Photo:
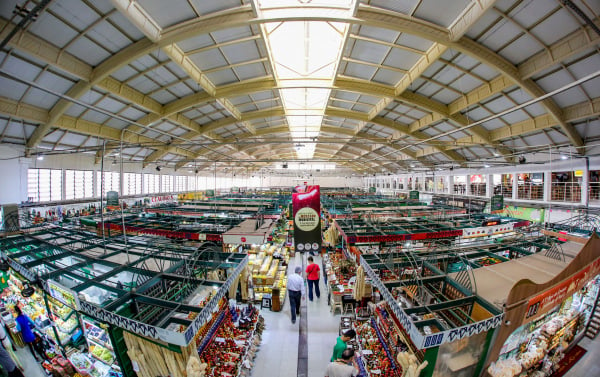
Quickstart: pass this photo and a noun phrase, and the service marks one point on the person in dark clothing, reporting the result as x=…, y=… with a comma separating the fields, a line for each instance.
x=8, y=364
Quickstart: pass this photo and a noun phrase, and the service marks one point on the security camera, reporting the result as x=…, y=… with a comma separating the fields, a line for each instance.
x=158, y=168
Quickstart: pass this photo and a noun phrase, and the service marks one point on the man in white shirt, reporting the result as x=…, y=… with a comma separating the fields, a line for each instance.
x=295, y=286
x=342, y=367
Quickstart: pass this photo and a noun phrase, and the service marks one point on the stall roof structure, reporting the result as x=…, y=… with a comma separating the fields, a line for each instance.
x=496, y=281
x=180, y=227
x=436, y=305
x=400, y=229
x=146, y=286
x=250, y=84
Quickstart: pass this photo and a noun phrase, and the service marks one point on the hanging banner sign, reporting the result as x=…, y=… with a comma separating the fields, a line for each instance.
x=306, y=206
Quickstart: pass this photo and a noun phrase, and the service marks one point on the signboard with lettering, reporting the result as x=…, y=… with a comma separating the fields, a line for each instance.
x=237, y=239
x=112, y=199
x=548, y=299
x=413, y=195
x=497, y=203
x=306, y=207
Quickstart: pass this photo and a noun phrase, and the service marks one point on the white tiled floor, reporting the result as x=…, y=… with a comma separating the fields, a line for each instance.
x=32, y=367
x=279, y=349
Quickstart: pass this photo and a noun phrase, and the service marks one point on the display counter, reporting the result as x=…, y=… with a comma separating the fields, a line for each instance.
x=268, y=264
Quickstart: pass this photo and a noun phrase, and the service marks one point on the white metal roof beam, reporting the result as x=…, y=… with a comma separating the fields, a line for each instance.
x=245, y=15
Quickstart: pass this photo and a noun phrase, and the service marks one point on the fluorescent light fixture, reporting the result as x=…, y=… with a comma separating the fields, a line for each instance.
x=486, y=166
x=40, y=157
x=563, y=157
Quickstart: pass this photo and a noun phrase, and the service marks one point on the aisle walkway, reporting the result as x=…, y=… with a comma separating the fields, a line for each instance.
x=278, y=355
x=589, y=365
x=32, y=367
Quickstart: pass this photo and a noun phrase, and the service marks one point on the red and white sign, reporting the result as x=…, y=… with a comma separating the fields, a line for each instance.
x=237, y=239
x=160, y=199
x=547, y=300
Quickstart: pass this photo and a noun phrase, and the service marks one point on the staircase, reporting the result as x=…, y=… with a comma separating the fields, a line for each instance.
x=593, y=327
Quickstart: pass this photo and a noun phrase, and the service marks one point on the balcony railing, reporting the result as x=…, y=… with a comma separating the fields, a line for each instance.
x=530, y=191
x=594, y=190
x=478, y=189
x=566, y=192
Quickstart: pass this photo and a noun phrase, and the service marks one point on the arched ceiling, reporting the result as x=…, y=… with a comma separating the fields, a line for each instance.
x=416, y=84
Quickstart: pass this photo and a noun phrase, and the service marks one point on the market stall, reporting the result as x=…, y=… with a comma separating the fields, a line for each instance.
x=436, y=318
x=118, y=291
x=548, y=302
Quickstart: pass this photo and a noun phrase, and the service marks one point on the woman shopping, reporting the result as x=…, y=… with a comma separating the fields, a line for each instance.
x=23, y=325
x=312, y=275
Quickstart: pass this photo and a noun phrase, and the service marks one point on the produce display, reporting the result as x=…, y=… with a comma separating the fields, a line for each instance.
x=66, y=321
x=373, y=352
x=102, y=354
x=528, y=353
x=228, y=347
x=100, y=349
x=81, y=362
x=487, y=261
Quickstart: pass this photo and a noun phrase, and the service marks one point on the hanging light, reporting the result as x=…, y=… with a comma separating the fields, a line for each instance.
x=27, y=290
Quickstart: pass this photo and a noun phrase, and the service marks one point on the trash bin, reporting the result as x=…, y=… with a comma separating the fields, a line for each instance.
x=275, y=302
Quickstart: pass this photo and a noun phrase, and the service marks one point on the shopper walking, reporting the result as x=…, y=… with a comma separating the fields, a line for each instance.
x=295, y=287
x=8, y=364
x=342, y=344
x=342, y=367
x=312, y=275
x=23, y=322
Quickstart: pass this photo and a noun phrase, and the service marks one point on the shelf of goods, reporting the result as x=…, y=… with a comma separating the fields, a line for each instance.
x=525, y=352
x=32, y=306
x=100, y=347
x=378, y=341
x=268, y=264
x=228, y=344
x=65, y=319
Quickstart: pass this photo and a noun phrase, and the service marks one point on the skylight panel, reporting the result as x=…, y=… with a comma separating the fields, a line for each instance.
x=305, y=56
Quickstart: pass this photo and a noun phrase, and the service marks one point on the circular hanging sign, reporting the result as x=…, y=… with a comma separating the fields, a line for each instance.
x=306, y=219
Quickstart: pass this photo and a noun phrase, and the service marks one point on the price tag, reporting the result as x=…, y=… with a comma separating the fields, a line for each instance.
x=375, y=371
x=367, y=352
x=220, y=340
